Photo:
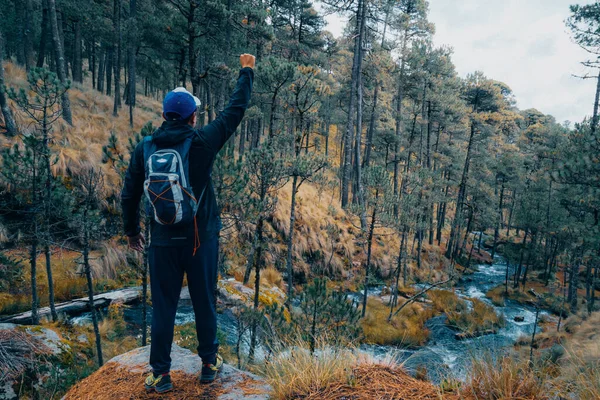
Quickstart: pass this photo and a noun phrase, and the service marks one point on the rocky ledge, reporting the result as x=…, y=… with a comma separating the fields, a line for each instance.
x=123, y=378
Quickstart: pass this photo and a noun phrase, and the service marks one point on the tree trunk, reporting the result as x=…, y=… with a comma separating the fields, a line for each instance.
x=290, y=240
x=506, y=277
x=428, y=142
x=371, y=131
x=573, y=284
x=60, y=61
x=327, y=138
x=520, y=266
x=499, y=222
x=398, y=116
x=28, y=35
x=101, y=69
x=564, y=299
x=431, y=234
x=47, y=203
x=131, y=57
x=43, y=36
x=454, y=233
x=394, y=299
x=594, y=123
x=9, y=121
x=90, y=285
x=368, y=266
x=92, y=62
x=537, y=314
x=110, y=59
x=77, y=56
x=530, y=255
x=512, y=208
x=20, y=17
x=35, y=319
x=257, y=265
x=463, y=246
x=192, y=55
x=359, y=115
x=117, y=63
x=347, y=167
x=442, y=214
x=258, y=238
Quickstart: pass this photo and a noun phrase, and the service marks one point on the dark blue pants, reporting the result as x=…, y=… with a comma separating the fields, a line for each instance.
x=167, y=266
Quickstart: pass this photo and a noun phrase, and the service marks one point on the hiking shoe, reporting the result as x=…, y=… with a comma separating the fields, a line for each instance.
x=209, y=371
x=158, y=384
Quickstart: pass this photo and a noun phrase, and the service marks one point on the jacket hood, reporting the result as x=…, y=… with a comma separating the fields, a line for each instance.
x=172, y=132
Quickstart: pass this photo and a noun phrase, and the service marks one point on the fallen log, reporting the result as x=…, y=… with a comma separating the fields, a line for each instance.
x=80, y=305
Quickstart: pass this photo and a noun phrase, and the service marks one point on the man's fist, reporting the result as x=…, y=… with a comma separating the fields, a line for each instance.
x=247, y=60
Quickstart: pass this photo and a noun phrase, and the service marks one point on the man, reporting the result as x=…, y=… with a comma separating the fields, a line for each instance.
x=190, y=248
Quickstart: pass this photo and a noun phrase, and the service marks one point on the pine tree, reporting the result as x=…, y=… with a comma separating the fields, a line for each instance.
x=88, y=193
x=44, y=109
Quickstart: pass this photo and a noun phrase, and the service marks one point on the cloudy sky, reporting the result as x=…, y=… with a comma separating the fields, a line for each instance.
x=523, y=43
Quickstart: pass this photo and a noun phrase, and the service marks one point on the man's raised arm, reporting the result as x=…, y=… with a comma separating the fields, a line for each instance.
x=223, y=127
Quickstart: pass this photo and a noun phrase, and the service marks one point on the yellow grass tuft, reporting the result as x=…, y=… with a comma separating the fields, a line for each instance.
x=296, y=373
x=406, y=329
x=272, y=277
x=505, y=378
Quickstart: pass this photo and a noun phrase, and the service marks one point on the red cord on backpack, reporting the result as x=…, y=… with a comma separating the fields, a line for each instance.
x=196, y=236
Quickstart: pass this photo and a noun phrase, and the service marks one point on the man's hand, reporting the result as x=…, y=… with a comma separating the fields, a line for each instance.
x=247, y=60
x=136, y=242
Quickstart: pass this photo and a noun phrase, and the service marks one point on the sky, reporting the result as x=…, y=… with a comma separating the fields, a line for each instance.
x=523, y=43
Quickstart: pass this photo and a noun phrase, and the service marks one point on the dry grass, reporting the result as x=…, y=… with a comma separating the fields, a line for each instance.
x=82, y=143
x=482, y=318
x=505, y=378
x=342, y=374
x=585, y=343
x=67, y=273
x=372, y=381
x=406, y=329
x=580, y=379
x=296, y=373
x=497, y=295
x=311, y=240
x=107, y=261
x=113, y=382
x=272, y=277
x=580, y=368
x=445, y=301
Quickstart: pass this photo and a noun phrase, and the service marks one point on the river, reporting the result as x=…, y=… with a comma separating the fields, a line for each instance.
x=442, y=356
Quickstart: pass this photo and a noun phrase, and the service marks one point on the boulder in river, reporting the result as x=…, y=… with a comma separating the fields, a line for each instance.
x=519, y=318
x=123, y=378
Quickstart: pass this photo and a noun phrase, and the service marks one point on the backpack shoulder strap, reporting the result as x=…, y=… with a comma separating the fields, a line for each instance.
x=146, y=145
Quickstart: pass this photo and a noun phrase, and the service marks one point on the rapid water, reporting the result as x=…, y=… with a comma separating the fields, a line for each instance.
x=443, y=355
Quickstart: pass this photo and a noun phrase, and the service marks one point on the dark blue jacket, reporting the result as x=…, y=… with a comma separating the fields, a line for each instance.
x=207, y=142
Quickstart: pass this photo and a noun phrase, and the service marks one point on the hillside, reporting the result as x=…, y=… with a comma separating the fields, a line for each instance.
x=325, y=240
